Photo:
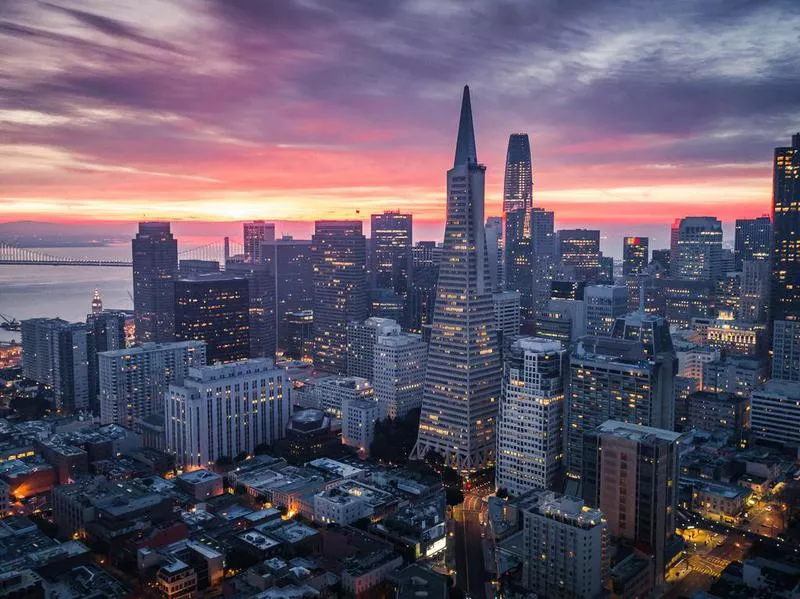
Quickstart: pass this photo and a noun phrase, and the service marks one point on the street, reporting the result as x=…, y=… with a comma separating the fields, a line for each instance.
x=470, y=573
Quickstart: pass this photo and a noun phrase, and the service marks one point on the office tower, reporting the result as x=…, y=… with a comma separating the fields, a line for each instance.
x=697, y=255
x=518, y=182
x=226, y=410
x=614, y=379
x=340, y=289
x=155, y=262
x=543, y=258
x=196, y=267
x=605, y=270
x=754, y=291
x=506, y=313
x=567, y=290
x=329, y=393
x=255, y=234
x=391, y=261
x=562, y=320
x=650, y=330
x=775, y=413
x=718, y=412
x=290, y=262
x=530, y=423
x=785, y=290
x=71, y=376
x=631, y=475
x=517, y=204
x=579, y=254
x=786, y=350
x=564, y=545
x=462, y=382
x=753, y=240
x=519, y=258
x=727, y=261
x=635, y=255
x=300, y=326
x=734, y=374
x=361, y=339
x=737, y=338
x=685, y=300
x=399, y=373
x=55, y=354
x=262, y=305
x=692, y=356
x=105, y=331
x=214, y=308
x=494, y=249
x=604, y=303
x=133, y=381
x=385, y=303
x=423, y=288
x=358, y=424
x=663, y=257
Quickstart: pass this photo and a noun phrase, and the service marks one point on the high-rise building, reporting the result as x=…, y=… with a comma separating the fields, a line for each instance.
x=215, y=308
x=785, y=291
x=155, y=263
x=564, y=544
x=506, y=313
x=340, y=289
x=255, y=234
x=300, y=325
x=753, y=240
x=754, y=291
x=225, y=410
x=604, y=303
x=631, y=475
x=290, y=262
x=635, y=255
x=517, y=204
x=579, y=254
x=518, y=182
x=697, y=255
x=616, y=379
x=543, y=258
x=663, y=257
x=786, y=350
x=685, y=300
x=735, y=375
x=133, y=381
x=55, y=353
x=399, y=373
x=97, y=302
x=105, y=332
x=329, y=393
x=494, y=249
x=530, y=421
x=361, y=340
x=562, y=320
x=775, y=413
x=390, y=241
x=262, y=311
x=462, y=382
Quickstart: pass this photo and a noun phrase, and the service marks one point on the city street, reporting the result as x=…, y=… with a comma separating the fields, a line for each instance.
x=471, y=575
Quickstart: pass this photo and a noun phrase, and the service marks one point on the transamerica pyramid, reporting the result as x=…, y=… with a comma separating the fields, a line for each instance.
x=462, y=382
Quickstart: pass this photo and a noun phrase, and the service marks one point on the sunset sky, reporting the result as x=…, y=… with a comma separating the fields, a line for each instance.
x=638, y=112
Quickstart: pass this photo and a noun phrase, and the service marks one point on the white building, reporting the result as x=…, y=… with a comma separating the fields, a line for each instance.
x=399, y=373
x=328, y=393
x=358, y=423
x=133, y=381
x=507, y=312
x=604, y=303
x=775, y=412
x=361, y=340
x=226, y=409
x=338, y=506
x=530, y=444
x=564, y=545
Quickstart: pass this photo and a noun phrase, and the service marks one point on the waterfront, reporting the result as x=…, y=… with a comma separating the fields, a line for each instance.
x=64, y=291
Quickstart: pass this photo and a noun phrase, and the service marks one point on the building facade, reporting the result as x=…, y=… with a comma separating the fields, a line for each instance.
x=399, y=373
x=635, y=255
x=361, y=339
x=462, y=383
x=604, y=304
x=155, y=263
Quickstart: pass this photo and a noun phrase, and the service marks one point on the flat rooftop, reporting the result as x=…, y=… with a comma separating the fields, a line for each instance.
x=637, y=432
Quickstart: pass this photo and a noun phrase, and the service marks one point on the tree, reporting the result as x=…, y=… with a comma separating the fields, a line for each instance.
x=394, y=439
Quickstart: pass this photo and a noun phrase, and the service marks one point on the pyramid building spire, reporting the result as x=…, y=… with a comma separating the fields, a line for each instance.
x=465, y=143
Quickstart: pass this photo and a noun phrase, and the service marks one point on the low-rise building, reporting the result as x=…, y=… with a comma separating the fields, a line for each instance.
x=201, y=484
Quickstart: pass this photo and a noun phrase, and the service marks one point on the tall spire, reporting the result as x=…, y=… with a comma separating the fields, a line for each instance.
x=465, y=145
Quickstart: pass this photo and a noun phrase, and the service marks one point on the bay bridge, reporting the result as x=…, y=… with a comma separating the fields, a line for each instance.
x=11, y=254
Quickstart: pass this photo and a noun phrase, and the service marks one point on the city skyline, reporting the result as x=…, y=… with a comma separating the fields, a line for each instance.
x=134, y=131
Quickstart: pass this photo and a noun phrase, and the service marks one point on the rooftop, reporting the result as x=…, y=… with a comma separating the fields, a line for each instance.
x=335, y=467
x=199, y=476
x=637, y=432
